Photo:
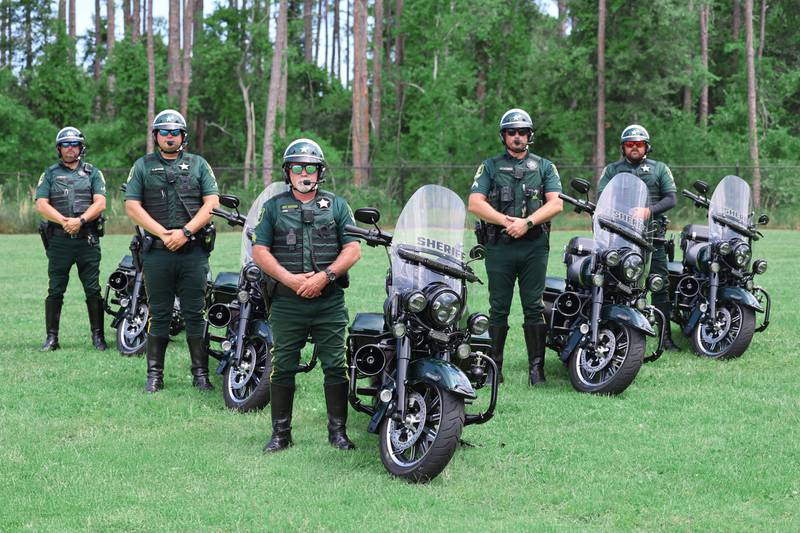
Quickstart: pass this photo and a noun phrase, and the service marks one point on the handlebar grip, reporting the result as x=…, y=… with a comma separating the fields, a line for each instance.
x=356, y=231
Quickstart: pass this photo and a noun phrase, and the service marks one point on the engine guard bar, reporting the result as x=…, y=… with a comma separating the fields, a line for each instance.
x=767, y=309
x=660, y=348
x=487, y=415
x=355, y=401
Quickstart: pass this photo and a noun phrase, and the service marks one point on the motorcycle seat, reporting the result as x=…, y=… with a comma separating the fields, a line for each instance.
x=695, y=232
x=675, y=268
x=580, y=246
x=228, y=281
x=553, y=284
x=367, y=324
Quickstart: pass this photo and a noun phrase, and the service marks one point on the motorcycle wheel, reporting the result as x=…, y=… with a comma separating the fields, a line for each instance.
x=730, y=338
x=245, y=387
x=132, y=334
x=614, y=367
x=421, y=447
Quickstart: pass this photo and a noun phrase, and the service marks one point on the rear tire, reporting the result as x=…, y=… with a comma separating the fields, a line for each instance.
x=420, y=449
x=616, y=369
x=245, y=387
x=736, y=326
x=132, y=335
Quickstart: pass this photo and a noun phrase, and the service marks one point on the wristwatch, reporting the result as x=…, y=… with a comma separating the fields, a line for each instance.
x=530, y=224
x=331, y=275
x=82, y=221
x=186, y=232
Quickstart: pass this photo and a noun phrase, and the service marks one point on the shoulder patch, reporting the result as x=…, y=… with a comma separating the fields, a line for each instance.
x=41, y=179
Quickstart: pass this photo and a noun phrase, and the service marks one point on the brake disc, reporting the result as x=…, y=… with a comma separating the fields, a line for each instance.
x=404, y=434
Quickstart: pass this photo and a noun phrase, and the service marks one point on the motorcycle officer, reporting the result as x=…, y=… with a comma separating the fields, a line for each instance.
x=300, y=243
x=516, y=195
x=171, y=193
x=635, y=146
x=71, y=195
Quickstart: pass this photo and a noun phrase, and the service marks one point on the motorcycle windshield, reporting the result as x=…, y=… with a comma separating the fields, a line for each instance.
x=617, y=221
x=254, y=216
x=431, y=225
x=730, y=213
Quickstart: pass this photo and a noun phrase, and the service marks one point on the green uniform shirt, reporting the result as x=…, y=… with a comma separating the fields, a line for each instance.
x=273, y=210
x=150, y=173
x=61, y=180
x=531, y=171
x=655, y=175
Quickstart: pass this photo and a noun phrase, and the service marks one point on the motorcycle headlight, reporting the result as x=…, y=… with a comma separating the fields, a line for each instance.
x=414, y=301
x=760, y=266
x=724, y=248
x=252, y=273
x=444, y=307
x=741, y=254
x=611, y=258
x=655, y=283
x=633, y=267
x=478, y=323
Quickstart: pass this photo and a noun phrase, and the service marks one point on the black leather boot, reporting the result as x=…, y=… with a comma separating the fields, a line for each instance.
x=94, y=306
x=535, y=336
x=498, y=335
x=198, y=351
x=666, y=310
x=52, y=318
x=281, y=401
x=336, y=400
x=156, y=348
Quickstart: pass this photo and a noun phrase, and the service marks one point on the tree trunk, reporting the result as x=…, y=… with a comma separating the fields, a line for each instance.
x=173, y=52
x=347, y=34
x=737, y=21
x=762, y=29
x=136, y=20
x=377, y=74
x=127, y=18
x=274, y=89
x=399, y=53
x=360, y=96
x=29, y=36
x=705, y=11
x=282, y=94
x=751, y=101
x=336, y=53
x=308, y=27
x=71, y=27
x=197, y=33
x=186, y=77
x=151, y=77
x=600, y=146
x=327, y=31
x=562, y=18
x=110, y=28
x=317, y=34
x=62, y=12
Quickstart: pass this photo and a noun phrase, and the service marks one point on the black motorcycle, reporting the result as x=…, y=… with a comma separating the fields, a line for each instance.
x=420, y=361
x=598, y=316
x=129, y=297
x=714, y=295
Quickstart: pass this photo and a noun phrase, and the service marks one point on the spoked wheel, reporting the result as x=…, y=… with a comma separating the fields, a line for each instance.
x=613, y=365
x=246, y=384
x=728, y=336
x=176, y=325
x=132, y=333
x=419, y=447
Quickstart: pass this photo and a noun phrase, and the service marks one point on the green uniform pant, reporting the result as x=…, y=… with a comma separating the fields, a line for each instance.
x=62, y=253
x=167, y=274
x=658, y=265
x=520, y=260
x=293, y=319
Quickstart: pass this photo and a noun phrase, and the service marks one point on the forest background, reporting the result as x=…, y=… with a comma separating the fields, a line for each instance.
x=400, y=93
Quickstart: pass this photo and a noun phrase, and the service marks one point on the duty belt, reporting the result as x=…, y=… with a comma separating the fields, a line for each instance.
x=58, y=230
x=158, y=244
x=284, y=291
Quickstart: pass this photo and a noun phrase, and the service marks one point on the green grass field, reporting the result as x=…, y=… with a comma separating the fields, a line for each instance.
x=693, y=444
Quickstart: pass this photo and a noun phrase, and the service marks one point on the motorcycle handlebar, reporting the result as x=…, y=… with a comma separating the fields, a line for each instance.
x=234, y=219
x=580, y=205
x=373, y=237
x=698, y=200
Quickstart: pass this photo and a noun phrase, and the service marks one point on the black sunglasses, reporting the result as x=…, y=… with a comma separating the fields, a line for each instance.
x=70, y=143
x=169, y=133
x=310, y=169
x=514, y=131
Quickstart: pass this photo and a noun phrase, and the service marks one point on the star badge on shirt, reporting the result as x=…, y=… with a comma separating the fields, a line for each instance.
x=323, y=203
x=645, y=168
x=184, y=166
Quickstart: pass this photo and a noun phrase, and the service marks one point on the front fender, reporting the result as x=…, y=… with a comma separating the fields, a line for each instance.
x=740, y=296
x=442, y=373
x=629, y=316
x=261, y=329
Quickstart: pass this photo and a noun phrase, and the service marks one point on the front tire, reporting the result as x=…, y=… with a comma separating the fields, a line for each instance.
x=245, y=386
x=613, y=367
x=729, y=336
x=419, y=448
x=132, y=334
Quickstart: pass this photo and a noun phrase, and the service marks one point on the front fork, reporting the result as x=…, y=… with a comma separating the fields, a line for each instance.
x=713, y=286
x=130, y=312
x=403, y=359
x=597, y=305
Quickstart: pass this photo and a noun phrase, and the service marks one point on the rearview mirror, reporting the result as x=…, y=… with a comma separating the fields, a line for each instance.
x=701, y=187
x=580, y=185
x=368, y=215
x=230, y=201
x=763, y=219
x=477, y=252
